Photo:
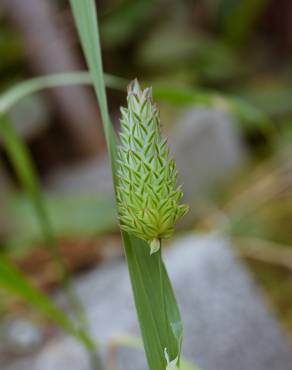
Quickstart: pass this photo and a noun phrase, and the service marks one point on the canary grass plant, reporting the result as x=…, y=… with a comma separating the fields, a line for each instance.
x=155, y=302
x=148, y=199
x=156, y=306
x=147, y=173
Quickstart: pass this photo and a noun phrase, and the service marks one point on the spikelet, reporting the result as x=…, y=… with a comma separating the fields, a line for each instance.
x=147, y=196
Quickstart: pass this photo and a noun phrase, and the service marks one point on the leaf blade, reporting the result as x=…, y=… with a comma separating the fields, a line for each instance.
x=14, y=282
x=148, y=299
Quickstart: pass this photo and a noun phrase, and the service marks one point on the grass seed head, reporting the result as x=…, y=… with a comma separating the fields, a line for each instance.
x=147, y=194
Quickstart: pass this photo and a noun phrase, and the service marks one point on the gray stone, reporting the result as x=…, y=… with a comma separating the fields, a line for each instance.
x=30, y=116
x=207, y=149
x=91, y=175
x=20, y=337
x=226, y=324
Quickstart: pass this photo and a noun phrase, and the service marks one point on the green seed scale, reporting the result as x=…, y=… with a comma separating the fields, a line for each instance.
x=147, y=195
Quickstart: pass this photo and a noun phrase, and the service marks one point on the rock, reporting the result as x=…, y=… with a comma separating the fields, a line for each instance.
x=91, y=175
x=226, y=324
x=207, y=149
x=30, y=116
x=20, y=337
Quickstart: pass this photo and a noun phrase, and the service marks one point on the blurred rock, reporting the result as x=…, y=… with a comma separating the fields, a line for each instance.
x=19, y=337
x=226, y=324
x=207, y=149
x=30, y=116
x=92, y=175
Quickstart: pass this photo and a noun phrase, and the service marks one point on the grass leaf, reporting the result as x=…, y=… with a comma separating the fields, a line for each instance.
x=151, y=286
x=21, y=89
x=249, y=114
x=10, y=278
x=72, y=215
x=13, y=281
x=156, y=305
x=86, y=21
x=20, y=159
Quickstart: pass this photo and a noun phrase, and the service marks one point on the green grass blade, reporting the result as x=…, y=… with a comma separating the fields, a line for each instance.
x=157, y=333
x=72, y=216
x=20, y=159
x=20, y=90
x=249, y=115
x=149, y=280
x=86, y=21
x=13, y=281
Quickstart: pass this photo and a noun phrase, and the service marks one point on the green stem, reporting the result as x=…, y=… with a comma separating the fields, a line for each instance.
x=68, y=287
x=90, y=345
x=162, y=293
x=24, y=168
x=63, y=273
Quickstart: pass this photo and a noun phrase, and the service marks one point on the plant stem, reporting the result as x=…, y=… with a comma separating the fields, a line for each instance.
x=68, y=287
x=90, y=346
x=21, y=160
x=162, y=292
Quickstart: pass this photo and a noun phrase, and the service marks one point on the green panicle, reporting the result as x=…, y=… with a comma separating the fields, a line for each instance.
x=147, y=195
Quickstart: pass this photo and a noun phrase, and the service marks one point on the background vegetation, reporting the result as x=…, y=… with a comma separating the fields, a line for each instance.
x=235, y=55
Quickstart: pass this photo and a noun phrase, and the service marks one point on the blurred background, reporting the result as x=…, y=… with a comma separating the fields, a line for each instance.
x=222, y=77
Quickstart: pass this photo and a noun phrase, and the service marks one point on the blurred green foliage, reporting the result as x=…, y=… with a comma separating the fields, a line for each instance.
x=238, y=19
x=120, y=23
x=71, y=215
x=12, y=61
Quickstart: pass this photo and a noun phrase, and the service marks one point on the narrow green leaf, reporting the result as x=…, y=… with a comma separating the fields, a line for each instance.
x=20, y=159
x=147, y=273
x=13, y=281
x=86, y=21
x=20, y=90
x=19, y=156
x=71, y=215
x=150, y=282
x=248, y=113
x=9, y=277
